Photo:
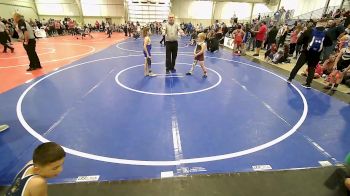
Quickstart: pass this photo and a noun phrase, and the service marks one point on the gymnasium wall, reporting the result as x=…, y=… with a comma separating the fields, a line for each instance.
x=200, y=11
x=225, y=10
x=336, y=2
x=184, y=10
x=57, y=7
x=106, y=8
x=101, y=9
x=26, y=7
x=92, y=10
x=302, y=6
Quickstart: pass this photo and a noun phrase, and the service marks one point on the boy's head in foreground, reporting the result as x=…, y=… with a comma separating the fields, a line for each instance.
x=48, y=159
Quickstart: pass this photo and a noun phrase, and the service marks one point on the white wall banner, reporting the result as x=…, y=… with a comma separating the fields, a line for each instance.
x=228, y=42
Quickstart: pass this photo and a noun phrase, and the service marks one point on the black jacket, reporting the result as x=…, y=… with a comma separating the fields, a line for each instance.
x=271, y=36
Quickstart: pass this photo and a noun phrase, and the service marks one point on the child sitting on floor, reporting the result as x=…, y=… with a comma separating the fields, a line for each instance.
x=329, y=64
x=335, y=78
x=318, y=72
x=282, y=55
x=341, y=67
x=271, y=52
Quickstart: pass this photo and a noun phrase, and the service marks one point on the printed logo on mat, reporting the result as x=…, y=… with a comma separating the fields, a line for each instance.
x=167, y=174
x=325, y=163
x=187, y=170
x=261, y=167
x=87, y=178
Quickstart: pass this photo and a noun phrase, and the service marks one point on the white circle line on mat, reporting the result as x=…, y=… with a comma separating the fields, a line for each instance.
x=162, y=163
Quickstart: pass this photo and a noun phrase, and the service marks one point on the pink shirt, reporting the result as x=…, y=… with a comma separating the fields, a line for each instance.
x=294, y=37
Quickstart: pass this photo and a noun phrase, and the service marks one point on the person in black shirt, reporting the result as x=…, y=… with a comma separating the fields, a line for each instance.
x=29, y=43
x=308, y=55
x=125, y=29
x=347, y=21
x=4, y=37
x=271, y=37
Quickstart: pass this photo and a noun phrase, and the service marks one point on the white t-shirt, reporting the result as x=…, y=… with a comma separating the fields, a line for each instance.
x=2, y=27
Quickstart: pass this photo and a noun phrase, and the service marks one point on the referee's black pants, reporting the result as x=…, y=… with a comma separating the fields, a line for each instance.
x=171, y=54
x=163, y=40
x=312, y=59
x=33, y=57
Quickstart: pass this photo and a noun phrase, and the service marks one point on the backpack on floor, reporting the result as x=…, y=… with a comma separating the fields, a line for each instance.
x=316, y=44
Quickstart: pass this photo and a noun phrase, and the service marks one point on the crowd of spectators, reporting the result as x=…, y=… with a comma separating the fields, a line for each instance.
x=282, y=40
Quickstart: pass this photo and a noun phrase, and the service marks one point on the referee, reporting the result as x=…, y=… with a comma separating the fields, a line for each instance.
x=29, y=43
x=3, y=37
x=171, y=33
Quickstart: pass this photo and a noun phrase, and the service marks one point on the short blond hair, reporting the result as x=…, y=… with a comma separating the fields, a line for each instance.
x=202, y=36
x=17, y=15
x=145, y=31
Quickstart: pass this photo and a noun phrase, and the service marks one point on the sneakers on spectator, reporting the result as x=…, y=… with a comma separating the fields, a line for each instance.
x=3, y=127
x=307, y=86
x=188, y=73
x=151, y=74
